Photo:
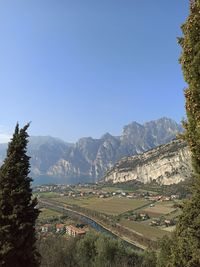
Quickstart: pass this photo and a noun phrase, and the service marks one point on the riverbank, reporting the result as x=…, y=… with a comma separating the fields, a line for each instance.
x=93, y=222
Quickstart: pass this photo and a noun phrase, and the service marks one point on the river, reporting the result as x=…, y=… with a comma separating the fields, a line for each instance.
x=85, y=219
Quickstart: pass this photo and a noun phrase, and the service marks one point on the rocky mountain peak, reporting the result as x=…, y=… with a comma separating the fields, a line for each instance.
x=132, y=128
x=89, y=158
x=107, y=136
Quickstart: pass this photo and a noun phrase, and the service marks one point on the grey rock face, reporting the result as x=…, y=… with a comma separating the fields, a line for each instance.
x=87, y=160
x=166, y=164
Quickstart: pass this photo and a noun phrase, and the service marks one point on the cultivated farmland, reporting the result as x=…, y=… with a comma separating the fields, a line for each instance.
x=144, y=230
x=160, y=208
x=111, y=206
x=48, y=213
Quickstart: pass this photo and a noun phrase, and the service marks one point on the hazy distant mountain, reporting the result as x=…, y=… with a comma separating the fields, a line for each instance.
x=53, y=160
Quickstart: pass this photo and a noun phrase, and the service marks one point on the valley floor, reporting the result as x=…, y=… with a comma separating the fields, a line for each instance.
x=141, y=216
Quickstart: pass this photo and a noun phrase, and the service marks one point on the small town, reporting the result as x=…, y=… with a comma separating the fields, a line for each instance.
x=143, y=208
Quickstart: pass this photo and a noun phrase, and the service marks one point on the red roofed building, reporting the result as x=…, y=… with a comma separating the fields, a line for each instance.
x=74, y=231
x=60, y=227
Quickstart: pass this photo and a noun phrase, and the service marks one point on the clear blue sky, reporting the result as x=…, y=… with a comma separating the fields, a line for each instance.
x=85, y=67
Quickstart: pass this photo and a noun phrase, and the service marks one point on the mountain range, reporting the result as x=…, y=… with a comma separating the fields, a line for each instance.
x=87, y=160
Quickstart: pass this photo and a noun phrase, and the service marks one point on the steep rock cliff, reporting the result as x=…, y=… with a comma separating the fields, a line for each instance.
x=166, y=164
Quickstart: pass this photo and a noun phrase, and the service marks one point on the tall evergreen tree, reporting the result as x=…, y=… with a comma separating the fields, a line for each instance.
x=185, y=250
x=18, y=211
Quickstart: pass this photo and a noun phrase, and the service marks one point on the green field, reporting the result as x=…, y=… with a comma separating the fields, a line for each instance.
x=174, y=214
x=111, y=206
x=144, y=230
x=48, y=194
x=160, y=208
x=116, y=206
x=170, y=228
x=47, y=213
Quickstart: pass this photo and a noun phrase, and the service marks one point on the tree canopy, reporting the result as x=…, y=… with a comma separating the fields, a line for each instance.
x=18, y=211
x=184, y=249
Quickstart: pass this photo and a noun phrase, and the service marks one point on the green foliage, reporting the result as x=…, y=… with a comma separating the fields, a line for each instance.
x=57, y=252
x=149, y=259
x=165, y=245
x=18, y=211
x=185, y=245
x=86, y=250
x=190, y=60
x=92, y=250
x=109, y=253
x=184, y=248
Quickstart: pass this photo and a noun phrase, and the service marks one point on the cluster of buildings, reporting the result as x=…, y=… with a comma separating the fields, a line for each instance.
x=51, y=188
x=139, y=217
x=62, y=229
x=78, y=191
x=74, y=231
x=163, y=198
x=163, y=222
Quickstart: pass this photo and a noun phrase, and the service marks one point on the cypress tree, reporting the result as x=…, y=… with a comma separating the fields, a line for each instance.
x=185, y=251
x=18, y=211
